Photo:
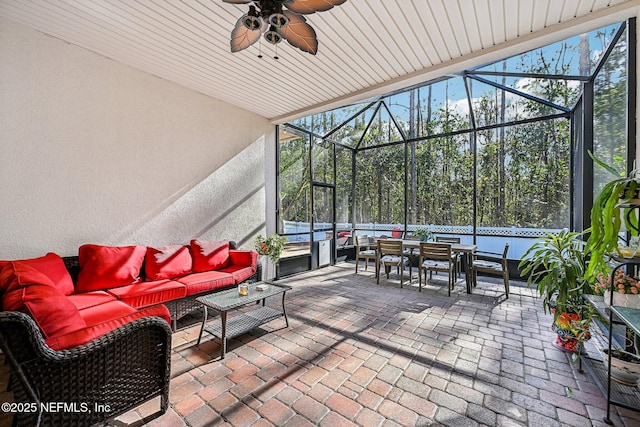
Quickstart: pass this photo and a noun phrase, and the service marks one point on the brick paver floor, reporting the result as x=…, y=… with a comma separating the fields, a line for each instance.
x=361, y=354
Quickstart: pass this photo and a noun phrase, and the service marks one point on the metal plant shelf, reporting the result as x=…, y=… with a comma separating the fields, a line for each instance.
x=595, y=364
x=619, y=394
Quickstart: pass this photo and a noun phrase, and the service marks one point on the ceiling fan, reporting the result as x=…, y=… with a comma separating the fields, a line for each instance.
x=269, y=17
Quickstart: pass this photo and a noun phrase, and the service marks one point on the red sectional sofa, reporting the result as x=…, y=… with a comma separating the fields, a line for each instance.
x=77, y=299
x=60, y=313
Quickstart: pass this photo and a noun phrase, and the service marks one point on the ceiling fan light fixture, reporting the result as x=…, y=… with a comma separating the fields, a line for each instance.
x=272, y=36
x=278, y=20
x=252, y=19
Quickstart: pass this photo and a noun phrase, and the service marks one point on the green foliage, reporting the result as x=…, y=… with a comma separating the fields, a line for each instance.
x=556, y=266
x=610, y=114
x=295, y=180
x=606, y=219
x=523, y=171
x=271, y=246
x=424, y=234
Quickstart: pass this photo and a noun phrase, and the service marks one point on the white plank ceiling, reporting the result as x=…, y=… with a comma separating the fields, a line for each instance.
x=365, y=46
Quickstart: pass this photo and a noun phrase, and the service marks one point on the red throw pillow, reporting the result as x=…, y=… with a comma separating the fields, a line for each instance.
x=207, y=256
x=167, y=262
x=104, y=267
x=32, y=292
x=51, y=265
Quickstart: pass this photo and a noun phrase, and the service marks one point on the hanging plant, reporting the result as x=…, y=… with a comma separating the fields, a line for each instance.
x=616, y=198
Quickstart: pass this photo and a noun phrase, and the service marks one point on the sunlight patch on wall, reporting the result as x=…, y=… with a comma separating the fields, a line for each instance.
x=226, y=205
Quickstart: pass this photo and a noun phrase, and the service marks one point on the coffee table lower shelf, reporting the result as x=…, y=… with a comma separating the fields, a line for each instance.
x=242, y=323
x=246, y=320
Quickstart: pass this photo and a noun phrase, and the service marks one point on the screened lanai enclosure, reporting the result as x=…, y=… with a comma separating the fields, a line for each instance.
x=493, y=155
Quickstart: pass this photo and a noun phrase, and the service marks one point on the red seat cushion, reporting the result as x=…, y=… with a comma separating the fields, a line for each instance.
x=149, y=293
x=102, y=319
x=52, y=266
x=208, y=281
x=90, y=299
x=33, y=292
x=167, y=262
x=105, y=267
x=207, y=256
x=97, y=314
x=239, y=273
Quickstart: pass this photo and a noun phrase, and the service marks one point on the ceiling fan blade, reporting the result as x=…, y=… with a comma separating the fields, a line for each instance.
x=299, y=34
x=237, y=1
x=306, y=7
x=242, y=37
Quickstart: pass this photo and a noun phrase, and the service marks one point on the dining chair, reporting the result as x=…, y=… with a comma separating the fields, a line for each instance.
x=437, y=257
x=492, y=263
x=390, y=255
x=457, y=255
x=411, y=252
x=365, y=250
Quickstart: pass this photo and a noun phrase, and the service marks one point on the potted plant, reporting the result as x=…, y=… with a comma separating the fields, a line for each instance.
x=625, y=366
x=269, y=248
x=611, y=208
x=424, y=235
x=556, y=266
x=626, y=289
x=625, y=359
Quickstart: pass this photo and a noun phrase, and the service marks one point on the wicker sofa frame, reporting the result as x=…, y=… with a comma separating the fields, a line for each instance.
x=97, y=381
x=107, y=376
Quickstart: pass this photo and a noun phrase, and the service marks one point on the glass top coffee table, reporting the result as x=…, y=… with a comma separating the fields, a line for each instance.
x=225, y=301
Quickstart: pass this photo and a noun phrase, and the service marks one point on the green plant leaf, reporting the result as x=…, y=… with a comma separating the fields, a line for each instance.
x=603, y=165
x=556, y=266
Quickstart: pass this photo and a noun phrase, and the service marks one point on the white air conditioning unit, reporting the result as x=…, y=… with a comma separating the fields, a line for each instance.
x=324, y=253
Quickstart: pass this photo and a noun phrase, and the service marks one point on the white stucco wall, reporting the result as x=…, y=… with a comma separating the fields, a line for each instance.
x=93, y=151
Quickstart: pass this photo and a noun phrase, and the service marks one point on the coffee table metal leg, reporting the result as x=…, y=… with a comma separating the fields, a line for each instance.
x=204, y=321
x=223, y=319
x=284, y=312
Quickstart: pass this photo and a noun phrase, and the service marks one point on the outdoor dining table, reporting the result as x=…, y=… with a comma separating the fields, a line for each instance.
x=466, y=250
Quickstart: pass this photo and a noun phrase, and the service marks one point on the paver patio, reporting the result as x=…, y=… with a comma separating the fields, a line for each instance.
x=357, y=353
